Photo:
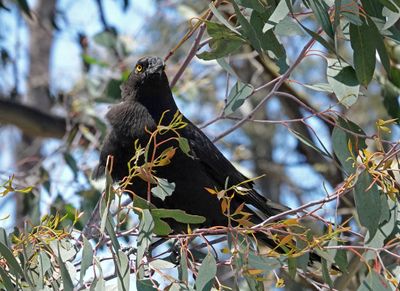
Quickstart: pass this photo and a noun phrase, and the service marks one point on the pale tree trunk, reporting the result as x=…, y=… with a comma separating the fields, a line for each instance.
x=28, y=151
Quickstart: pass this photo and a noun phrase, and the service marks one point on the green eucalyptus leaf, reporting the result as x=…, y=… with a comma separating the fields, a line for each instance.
x=238, y=94
x=343, y=80
x=163, y=188
x=266, y=264
x=368, y=203
x=123, y=271
x=146, y=227
x=207, y=272
x=280, y=12
x=87, y=258
x=320, y=10
x=363, y=43
x=178, y=215
x=374, y=281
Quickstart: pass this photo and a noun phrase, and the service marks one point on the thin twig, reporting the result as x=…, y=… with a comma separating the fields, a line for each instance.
x=278, y=84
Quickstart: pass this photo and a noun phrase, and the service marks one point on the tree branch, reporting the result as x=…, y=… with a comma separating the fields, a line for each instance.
x=31, y=121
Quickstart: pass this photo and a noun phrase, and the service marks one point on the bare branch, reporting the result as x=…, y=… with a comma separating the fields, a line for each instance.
x=31, y=121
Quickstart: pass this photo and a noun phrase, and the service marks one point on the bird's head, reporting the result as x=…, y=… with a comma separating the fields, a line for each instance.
x=146, y=79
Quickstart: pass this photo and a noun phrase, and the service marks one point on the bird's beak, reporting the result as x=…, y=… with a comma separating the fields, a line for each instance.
x=156, y=66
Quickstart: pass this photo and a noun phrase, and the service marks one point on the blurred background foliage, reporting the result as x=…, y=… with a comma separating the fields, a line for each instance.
x=62, y=63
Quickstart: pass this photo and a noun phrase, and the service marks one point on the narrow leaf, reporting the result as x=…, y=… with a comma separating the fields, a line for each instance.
x=325, y=273
x=66, y=277
x=320, y=10
x=368, y=203
x=178, y=215
x=146, y=227
x=206, y=275
x=87, y=258
x=248, y=30
x=308, y=142
x=6, y=281
x=183, y=267
x=341, y=140
x=10, y=259
x=364, y=46
x=123, y=271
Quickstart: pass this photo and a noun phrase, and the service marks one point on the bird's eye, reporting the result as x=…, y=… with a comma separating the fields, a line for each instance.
x=139, y=68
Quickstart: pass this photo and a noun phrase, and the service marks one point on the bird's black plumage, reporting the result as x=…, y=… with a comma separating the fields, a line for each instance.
x=146, y=95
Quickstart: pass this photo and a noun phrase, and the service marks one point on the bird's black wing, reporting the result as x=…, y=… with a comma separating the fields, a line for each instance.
x=219, y=168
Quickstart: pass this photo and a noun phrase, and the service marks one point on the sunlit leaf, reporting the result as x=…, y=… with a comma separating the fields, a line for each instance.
x=123, y=271
x=87, y=258
x=225, y=65
x=161, y=264
x=256, y=5
x=288, y=27
x=44, y=266
x=280, y=12
x=391, y=18
x=268, y=41
x=221, y=18
x=343, y=80
x=66, y=277
x=180, y=287
x=163, y=188
x=238, y=94
x=321, y=87
x=206, y=276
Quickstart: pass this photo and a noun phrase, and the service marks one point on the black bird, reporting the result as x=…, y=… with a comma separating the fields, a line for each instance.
x=146, y=95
